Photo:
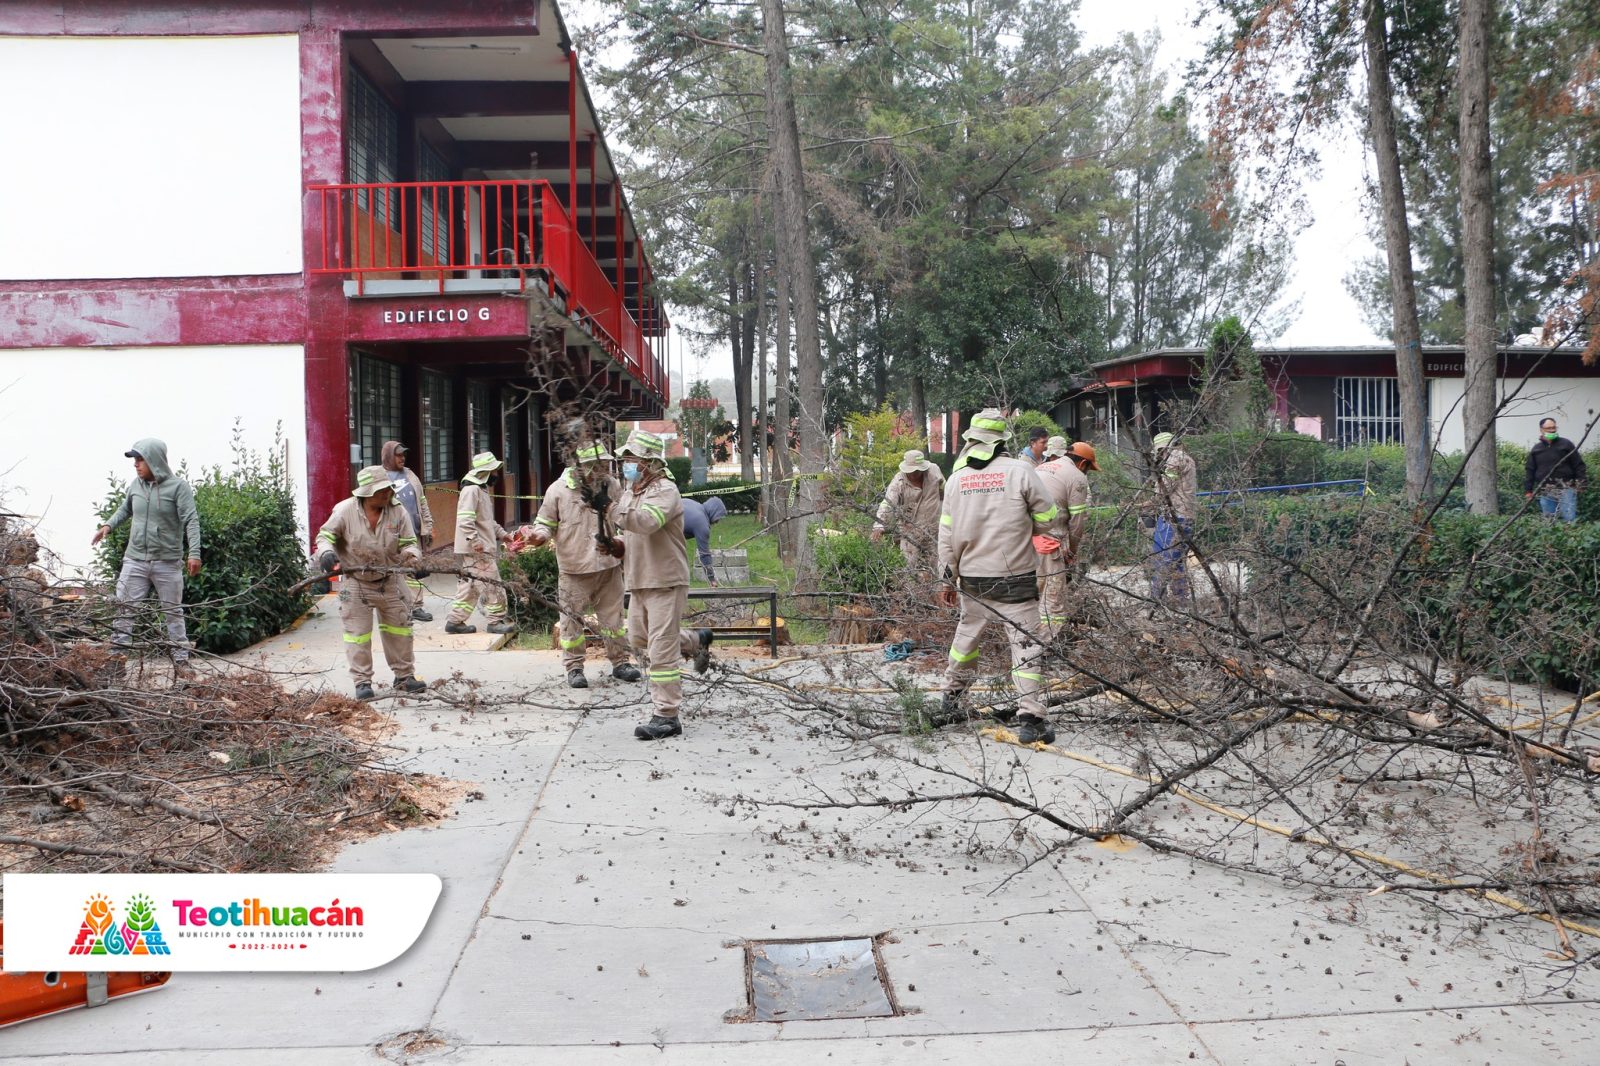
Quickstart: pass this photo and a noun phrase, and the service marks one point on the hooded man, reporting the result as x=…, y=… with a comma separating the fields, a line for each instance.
x=161, y=508
x=911, y=503
x=994, y=507
x=1064, y=473
x=698, y=518
x=572, y=514
x=1174, y=503
x=655, y=570
x=408, y=490
x=478, y=539
x=366, y=538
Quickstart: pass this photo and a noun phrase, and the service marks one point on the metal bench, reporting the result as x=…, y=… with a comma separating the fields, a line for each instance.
x=741, y=594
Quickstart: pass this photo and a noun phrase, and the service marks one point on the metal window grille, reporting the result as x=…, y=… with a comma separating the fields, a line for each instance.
x=374, y=146
x=434, y=204
x=377, y=405
x=1367, y=411
x=480, y=417
x=438, y=425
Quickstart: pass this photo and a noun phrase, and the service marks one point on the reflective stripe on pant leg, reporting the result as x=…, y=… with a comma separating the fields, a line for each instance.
x=461, y=606
x=571, y=597
x=666, y=649
x=1020, y=619
x=606, y=595
x=964, y=649
x=394, y=627
x=355, y=616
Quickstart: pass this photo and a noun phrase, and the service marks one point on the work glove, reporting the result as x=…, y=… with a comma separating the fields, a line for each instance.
x=600, y=499
x=586, y=493
x=329, y=561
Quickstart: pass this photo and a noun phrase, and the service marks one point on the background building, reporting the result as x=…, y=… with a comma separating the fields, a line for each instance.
x=343, y=221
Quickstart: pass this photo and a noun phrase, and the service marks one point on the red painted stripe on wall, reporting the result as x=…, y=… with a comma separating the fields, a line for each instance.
x=268, y=309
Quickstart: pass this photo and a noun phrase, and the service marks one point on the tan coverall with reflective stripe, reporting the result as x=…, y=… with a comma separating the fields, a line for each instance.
x=915, y=513
x=1069, y=488
x=588, y=576
x=986, y=530
x=390, y=543
x=478, y=538
x=655, y=570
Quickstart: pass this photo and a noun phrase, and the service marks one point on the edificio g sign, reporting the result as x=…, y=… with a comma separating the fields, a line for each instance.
x=435, y=314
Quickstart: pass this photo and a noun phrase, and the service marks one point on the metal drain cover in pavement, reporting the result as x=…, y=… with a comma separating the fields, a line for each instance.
x=816, y=979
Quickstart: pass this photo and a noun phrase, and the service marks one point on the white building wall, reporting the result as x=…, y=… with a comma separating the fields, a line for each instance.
x=149, y=157
x=70, y=413
x=1573, y=402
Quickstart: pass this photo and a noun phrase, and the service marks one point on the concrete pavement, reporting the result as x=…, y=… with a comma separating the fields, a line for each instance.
x=598, y=896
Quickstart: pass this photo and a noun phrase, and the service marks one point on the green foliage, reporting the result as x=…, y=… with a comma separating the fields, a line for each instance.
x=874, y=447
x=851, y=562
x=1235, y=393
x=1024, y=421
x=534, y=570
x=704, y=427
x=251, y=548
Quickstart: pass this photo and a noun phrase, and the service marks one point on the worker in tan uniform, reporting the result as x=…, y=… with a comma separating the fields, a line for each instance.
x=576, y=509
x=367, y=538
x=1173, y=502
x=478, y=539
x=994, y=505
x=655, y=570
x=1065, y=477
x=911, y=506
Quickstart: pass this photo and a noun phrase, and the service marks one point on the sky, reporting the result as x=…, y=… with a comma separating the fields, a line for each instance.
x=1333, y=241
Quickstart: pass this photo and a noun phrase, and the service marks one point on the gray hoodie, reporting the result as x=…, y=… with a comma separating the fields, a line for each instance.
x=162, y=511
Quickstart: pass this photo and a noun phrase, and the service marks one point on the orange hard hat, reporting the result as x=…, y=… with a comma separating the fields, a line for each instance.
x=1085, y=451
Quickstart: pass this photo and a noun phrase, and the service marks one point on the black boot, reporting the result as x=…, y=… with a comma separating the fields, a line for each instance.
x=411, y=684
x=421, y=614
x=950, y=710
x=459, y=627
x=575, y=678
x=625, y=672
x=702, y=657
x=658, y=728
x=1031, y=729
x=364, y=691
x=500, y=627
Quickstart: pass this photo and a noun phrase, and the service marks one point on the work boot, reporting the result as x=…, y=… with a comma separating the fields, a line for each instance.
x=411, y=684
x=500, y=627
x=575, y=679
x=364, y=691
x=1031, y=729
x=422, y=614
x=625, y=672
x=183, y=671
x=459, y=627
x=1003, y=715
x=950, y=710
x=658, y=728
x=702, y=658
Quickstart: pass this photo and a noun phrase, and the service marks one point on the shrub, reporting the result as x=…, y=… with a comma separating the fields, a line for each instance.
x=873, y=450
x=251, y=547
x=851, y=562
x=527, y=571
x=1023, y=421
x=681, y=468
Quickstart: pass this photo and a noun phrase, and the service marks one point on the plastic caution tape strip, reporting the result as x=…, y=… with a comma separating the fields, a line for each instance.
x=746, y=486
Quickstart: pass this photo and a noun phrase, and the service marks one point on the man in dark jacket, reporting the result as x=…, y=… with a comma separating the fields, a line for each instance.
x=163, y=515
x=1556, y=472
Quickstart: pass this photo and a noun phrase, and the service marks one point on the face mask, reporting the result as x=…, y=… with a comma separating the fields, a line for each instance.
x=1552, y=437
x=630, y=471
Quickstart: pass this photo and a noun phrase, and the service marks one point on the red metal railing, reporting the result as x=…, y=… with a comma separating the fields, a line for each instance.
x=480, y=229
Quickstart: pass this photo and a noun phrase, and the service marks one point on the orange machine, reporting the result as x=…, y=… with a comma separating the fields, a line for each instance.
x=33, y=995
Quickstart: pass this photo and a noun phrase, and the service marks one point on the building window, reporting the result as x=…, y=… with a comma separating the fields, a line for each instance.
x=374, y=147
x=435, y=204
x=480, y=417
x=1367, y=411
x=377, y=406
x=438, y=426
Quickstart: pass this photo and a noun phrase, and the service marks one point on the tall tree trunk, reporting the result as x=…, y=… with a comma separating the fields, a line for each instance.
x=778, y=510
x=1477, y=217
x=747, y=322
x=1397, y=241
x=919, y=408
x=763, y=422
x=794, y=254
x=738, y=311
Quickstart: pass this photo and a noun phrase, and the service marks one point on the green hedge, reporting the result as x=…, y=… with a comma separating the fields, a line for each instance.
x=251, y=548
